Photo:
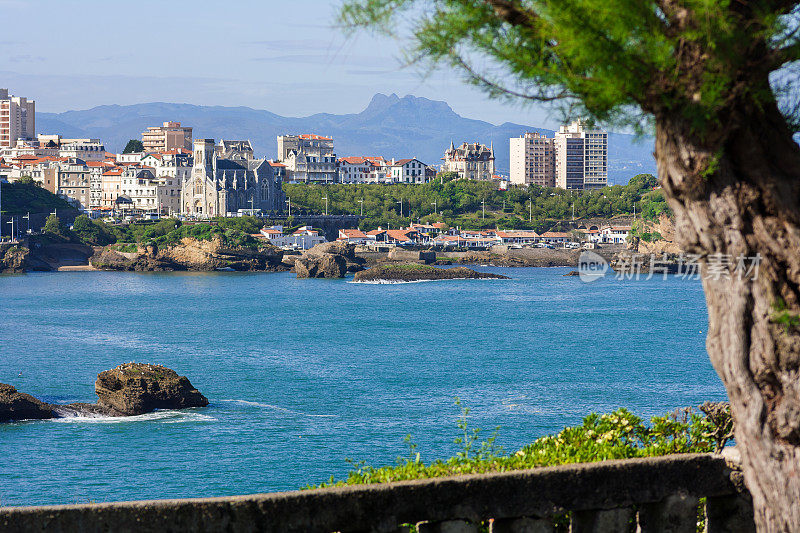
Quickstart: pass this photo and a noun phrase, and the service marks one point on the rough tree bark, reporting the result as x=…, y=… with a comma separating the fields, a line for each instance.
x=739, y=195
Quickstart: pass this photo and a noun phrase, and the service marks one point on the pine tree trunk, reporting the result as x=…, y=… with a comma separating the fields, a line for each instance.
x=739, y=197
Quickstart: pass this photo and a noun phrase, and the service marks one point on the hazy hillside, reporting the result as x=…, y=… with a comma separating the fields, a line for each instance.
x=389, y=126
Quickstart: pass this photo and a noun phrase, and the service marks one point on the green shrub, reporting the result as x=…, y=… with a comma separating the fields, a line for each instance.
x=618, y=435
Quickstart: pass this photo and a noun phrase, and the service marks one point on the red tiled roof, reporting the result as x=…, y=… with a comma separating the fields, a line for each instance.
x=352, y=233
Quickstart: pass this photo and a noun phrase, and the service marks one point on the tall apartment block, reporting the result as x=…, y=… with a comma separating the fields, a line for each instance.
x=308, y=158
x=533, y=160
x=170, y=136
x=17, y=119
x=581, y=157
x=577, y=158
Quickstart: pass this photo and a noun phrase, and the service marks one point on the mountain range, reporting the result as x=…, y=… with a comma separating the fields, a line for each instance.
x=389, y=126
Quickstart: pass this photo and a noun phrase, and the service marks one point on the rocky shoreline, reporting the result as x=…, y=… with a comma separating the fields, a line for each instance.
x=405, y=272
x=129, y=389
x=190, y=255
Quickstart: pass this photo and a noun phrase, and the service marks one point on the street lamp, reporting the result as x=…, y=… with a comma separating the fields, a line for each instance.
x=434, y=207
x=401, y=207
x=483, y=208
x=12, y=228
x=289, y=201
x=28, y=218
x=530, y=211
x=326, y=205
x=362, y=207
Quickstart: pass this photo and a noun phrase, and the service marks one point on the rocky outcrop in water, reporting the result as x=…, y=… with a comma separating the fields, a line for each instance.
x=191, y=255
x=417, y=272
x=13, y=259
x=16, y=405
x=137, y=388
x=129, y=389
x=328, y=260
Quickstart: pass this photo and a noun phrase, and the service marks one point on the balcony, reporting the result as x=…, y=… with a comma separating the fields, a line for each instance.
x=646, y=495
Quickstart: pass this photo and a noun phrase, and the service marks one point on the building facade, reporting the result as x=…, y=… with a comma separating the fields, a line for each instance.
x=308, y=158
x=581, y=157
x=472, y=161
x=17, y=119
x=407, y=171
x=169, y=136
x=70, y=179
x=577, y=158
x=533, y=160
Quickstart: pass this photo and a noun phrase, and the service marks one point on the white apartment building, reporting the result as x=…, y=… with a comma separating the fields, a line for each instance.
x=96, y=170
x=362, y=169
x=86, y=149
x=577, y=158
x=581, y=157
x=308, y=158
x=149, y=193
x=17, y=119
x=171, y=164
x=533, y=160
x=169, y=136
x=407, y=171
x=472, y=161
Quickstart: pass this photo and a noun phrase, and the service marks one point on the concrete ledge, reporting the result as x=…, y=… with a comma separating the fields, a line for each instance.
x=537, y=492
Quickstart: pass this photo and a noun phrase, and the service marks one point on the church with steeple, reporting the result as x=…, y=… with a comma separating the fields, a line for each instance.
x=472, y=161
x=226, y=178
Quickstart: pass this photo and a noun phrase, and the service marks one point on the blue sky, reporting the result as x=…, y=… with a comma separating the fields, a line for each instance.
x=286, y=57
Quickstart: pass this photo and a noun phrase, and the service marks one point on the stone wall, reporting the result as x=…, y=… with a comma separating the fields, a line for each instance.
x=652, y=491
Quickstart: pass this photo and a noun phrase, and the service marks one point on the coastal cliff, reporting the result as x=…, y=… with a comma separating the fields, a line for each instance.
x=190, y=254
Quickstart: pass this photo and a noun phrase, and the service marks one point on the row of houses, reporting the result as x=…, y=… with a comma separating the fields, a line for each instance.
x=439, y=235
x=211, y=180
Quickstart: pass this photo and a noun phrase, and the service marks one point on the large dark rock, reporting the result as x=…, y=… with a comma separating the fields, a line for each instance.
x=321, y=266
x=15, y=405
x=398, y=272
x=328, y=260
x=137, y=388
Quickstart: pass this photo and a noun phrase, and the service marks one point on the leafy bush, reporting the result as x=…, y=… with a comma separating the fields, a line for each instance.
x=92, y=232
x=618, y=435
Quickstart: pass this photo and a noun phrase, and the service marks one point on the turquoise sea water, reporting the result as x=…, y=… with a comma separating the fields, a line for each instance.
x=302, y=374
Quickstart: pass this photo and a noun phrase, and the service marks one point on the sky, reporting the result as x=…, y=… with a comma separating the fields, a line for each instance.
x=285, y=57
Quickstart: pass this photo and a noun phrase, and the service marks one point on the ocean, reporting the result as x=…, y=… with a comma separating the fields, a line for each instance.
x=303, y=375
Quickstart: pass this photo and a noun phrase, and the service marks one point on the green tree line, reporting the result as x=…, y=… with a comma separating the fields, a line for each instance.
x=473, y=204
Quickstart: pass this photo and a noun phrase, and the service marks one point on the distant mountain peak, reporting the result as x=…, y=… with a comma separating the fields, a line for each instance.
x=381, y=101
x=418, y=105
